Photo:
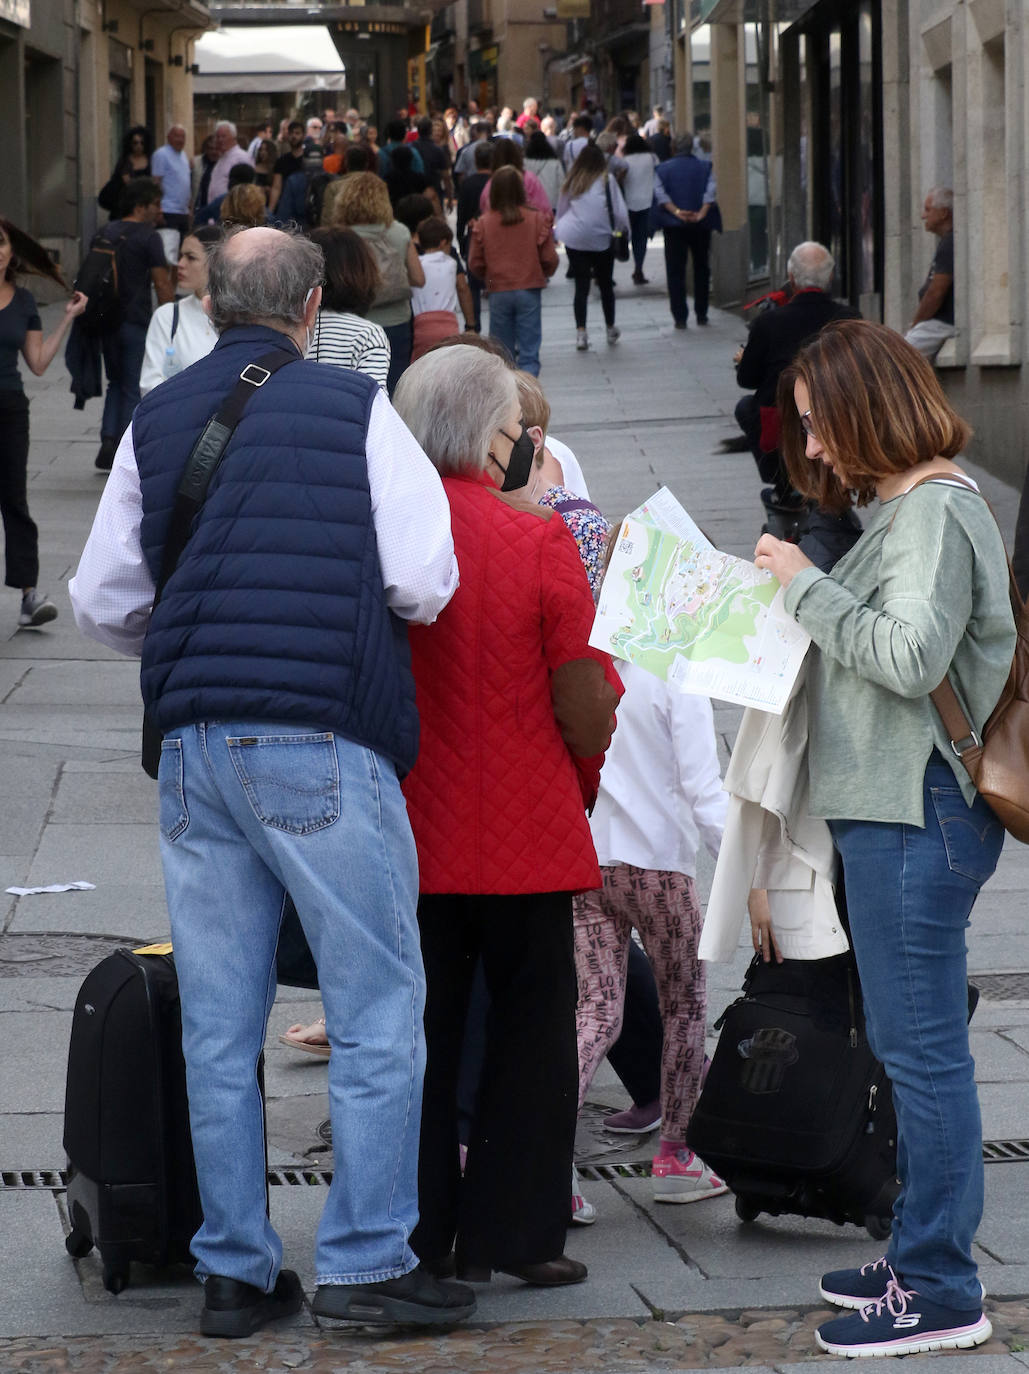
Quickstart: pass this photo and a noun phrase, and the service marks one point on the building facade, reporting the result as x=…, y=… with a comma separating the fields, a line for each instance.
x=75, y=75
x=849, y=112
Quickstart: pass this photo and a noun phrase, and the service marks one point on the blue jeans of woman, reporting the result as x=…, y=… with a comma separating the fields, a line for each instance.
x=639, y=232
x=515, y=318
x=249, y=811
x=910, y=891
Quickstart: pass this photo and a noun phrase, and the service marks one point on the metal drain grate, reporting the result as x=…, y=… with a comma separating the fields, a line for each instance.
x=299, y=1178
x=611, y=1172
x=58, y=955
x=1002, y=987
x=1005, y=1151
x=17, y=1180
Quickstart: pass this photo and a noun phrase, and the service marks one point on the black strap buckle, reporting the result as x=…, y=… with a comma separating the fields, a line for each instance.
x=254, y=374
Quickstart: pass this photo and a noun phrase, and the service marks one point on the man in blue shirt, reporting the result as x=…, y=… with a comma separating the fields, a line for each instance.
x=684, y=198
x=170, y=166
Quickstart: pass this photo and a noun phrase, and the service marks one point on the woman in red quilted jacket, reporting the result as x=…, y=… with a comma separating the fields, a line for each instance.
x=516, y=712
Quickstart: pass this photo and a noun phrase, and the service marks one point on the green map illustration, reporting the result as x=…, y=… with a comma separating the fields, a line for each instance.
x=697, y=618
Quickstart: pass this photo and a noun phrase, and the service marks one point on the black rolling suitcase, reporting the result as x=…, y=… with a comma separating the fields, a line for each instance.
x=132, y=1189
x=796, y=1113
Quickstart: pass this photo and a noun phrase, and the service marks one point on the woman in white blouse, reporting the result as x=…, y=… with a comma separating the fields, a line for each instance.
x=638, y=188
x=180, y=332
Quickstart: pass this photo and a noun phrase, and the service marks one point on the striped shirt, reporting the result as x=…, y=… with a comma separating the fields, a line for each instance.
x=346, y=340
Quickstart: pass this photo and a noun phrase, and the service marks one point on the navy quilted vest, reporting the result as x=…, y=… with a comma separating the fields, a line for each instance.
x=276, y=611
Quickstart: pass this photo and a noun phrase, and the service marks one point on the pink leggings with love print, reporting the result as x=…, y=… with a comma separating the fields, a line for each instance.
x=664, y=908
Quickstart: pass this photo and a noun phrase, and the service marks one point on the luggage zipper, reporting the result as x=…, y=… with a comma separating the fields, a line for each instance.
x=873, y=1092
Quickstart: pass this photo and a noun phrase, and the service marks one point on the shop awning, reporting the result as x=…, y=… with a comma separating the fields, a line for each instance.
x=280, y=57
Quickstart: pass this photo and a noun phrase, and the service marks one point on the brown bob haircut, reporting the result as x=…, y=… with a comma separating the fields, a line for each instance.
x=507, y=195
x=877, y=408
x=351, y=274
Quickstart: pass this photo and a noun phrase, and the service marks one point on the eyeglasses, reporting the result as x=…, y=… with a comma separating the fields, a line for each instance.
x=808, y=425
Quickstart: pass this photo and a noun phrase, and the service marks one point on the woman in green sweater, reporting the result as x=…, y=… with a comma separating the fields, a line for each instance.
x=922, y=595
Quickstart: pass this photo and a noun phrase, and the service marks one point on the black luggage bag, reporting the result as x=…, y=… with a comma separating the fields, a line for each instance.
x=796, y=1113
x=132, y=1189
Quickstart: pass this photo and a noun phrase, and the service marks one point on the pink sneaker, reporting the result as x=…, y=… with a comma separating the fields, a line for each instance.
x=683, y=1177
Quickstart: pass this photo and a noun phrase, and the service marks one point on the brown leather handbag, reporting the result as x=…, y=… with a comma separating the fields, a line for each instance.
x=998, y=761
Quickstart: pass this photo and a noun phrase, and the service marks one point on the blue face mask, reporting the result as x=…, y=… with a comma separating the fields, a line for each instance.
x=519, y=465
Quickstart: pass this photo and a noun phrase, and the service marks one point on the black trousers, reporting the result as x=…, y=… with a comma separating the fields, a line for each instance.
x=587, y=268
x=636, y=1054
x=21, y=538
x=512, y=1205
x=682, y=241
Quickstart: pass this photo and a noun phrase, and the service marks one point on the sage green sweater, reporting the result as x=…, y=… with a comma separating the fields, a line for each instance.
x=904, y=607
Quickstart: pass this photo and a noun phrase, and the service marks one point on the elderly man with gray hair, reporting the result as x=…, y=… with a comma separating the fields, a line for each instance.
x=933, y=321
x=275, y=663
x=229, y=153
x=775, y=338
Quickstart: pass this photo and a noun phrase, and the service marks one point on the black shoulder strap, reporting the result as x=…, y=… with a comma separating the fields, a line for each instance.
x=175, y=319
x=208, y=452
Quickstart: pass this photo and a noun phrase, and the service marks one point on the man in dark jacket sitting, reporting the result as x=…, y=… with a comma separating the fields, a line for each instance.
x=775, y=338
x=276, y=665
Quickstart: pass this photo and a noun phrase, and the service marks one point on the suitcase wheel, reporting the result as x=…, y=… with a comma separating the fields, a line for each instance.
x=745, y=1209
x=879, y=1228
x=116, y=1277
x=77, y=1244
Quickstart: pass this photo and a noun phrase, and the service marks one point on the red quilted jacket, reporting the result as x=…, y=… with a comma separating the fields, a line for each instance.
x=515, y=707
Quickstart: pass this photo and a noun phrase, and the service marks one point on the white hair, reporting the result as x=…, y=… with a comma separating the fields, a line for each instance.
x=226, y=124
x=941, y=198
x=811, y=265
x=453, y=400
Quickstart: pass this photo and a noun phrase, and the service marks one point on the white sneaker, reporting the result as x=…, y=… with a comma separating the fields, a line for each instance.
x=583, y=1212
x=683, y=1177
x=581, y=341
x=613, y=334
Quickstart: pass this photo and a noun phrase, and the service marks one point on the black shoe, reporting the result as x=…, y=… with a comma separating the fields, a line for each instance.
x=105, y=457
x=553, y=1273
x=702, y=319
x=738, y=443
x=680, y=324
x=640, y=279
x=233, y=1308
x=416, y=1299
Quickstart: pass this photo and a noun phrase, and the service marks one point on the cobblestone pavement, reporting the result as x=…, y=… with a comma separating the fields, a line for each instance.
x=766, y=1338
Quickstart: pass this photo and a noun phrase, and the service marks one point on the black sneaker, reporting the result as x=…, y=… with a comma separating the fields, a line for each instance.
x=105, y=457
x=414, y=1299
x=233, y=1308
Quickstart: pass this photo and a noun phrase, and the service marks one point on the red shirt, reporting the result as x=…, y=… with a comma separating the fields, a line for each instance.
x=496, y=796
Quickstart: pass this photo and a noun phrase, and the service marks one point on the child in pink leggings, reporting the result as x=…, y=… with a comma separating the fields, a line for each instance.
x=660, y=794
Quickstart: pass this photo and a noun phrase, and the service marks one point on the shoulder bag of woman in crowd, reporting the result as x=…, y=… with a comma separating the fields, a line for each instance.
x=619, y=238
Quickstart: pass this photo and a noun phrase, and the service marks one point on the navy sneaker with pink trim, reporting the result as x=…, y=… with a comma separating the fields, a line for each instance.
x=903, y=1322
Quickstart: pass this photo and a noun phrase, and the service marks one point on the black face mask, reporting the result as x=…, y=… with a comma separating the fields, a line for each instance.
x=519, y=465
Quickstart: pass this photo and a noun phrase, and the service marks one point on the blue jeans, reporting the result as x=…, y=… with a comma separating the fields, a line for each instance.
x=909, y=895
x=515, y=318
x=123, y=362
x=248, y=811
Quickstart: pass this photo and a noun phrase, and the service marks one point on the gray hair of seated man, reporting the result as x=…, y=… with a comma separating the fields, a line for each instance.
x=811, y=265
x=262, y=276
x=453, y=400
x=941, y=198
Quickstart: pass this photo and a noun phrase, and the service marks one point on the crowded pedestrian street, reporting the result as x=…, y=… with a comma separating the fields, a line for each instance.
x=669, y=1287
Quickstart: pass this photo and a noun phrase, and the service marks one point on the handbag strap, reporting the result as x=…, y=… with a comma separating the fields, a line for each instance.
x=207, y=454
x=962, y=734
x=607, y=197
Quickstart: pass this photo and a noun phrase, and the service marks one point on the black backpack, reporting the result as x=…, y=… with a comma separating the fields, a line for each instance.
x=97, y=278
